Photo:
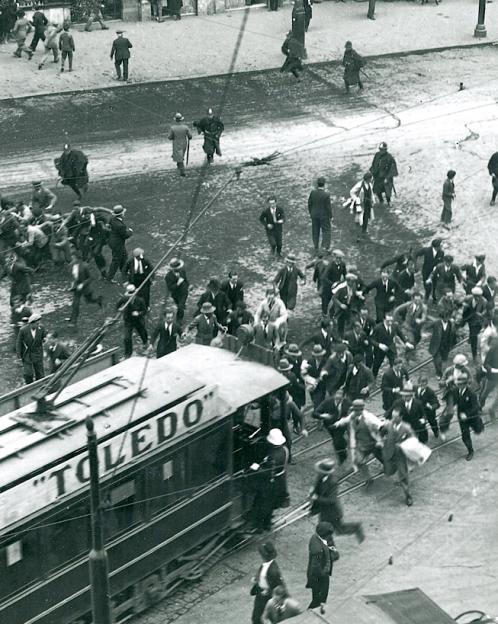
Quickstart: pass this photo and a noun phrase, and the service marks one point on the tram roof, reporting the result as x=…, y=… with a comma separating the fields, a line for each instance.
x=125, y=394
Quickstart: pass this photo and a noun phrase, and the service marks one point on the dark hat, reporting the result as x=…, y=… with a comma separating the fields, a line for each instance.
x=407, y=389
x=284, y=365
x=207, y=308
x=176, y=264
x=448, y=258
x=357, y=358
x=36, y=183
x=321, y=181
x=324, y=529
x=318, y=350
x=367, y=175
x=178, y=117
x=293, y=350
x=358, y=404
x=383, y=145
x=213, y=283
x=325, y=466
x=119, y=32
x=267, y=551
x=480, y=257
x=340, y=348
x=117, y=210
x=436, y=242
x=348, y=44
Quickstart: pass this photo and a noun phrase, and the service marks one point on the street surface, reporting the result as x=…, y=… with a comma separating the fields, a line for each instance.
x=414, y=104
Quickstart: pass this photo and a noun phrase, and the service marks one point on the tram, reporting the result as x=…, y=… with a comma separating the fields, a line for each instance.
x=172, y=434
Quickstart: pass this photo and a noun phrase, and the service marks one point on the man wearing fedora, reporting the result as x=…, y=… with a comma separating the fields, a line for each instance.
x=118, y=235
x=286, y=281
x=29, y=347
x=384, y=170
x=181, y=136
x=321, y=556
x=331, y=410
x=294, y=356
x=267, y=578
x=321, y=215
x=324, y=497
x=206, y=324
x=312, y=369
x=120, y=52
x=364, y=438
x=394, y=432
x=177, y=285
x=134, y=312
x=137, y=271
x=272, y=218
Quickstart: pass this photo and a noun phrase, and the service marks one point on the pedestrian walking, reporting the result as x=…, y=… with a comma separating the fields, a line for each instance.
x=334, y=407
x=286, y=281
x=137, y=271
x=384, y=169
x=133, y=318
x=324, y=497
x=212, y=128
x=493, y=172
x=322, y=554
x=474, y=315
x=445, y=275
x=267, y=578
x=371, y=9
x=51, y=47
x=177, y=285
x=395, y=432
x=361, y=203
x=21, y=30
x=308, y=13
x=386, y=290
x=293, y=51
x=94, y=13
x=320, y=212
x=39, y=22
x=181, y=136
x=118, y=235
x=312, y=374
x=72, y=167
x=359, y=378
x=426, y=395
x=166, y=333
x=29, y=349
x=216, y=297
x=392, y=383
x=412, y=316
x=277, y=313
x=352, y=63
x=432, y=256
x=233, y=288
x=448, y=198
x=81, y=287
x=412, y=411
x=67, y=47
x=120, y=52
x=272, y=218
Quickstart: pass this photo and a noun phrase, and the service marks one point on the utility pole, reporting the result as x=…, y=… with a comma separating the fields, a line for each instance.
x=480, y=29
x=99, y=572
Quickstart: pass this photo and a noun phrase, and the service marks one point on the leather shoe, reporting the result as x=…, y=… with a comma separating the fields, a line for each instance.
x=409, y=500
x=470, y=455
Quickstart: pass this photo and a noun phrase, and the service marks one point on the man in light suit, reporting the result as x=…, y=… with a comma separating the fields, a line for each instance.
x=29, y=347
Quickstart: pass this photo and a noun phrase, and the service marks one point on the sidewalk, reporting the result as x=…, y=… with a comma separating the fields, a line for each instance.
x=201, y=46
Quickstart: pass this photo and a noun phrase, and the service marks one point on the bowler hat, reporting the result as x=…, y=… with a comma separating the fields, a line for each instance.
x=267, y=551
x=324, y=529
x=207, y=308
x=325, y=466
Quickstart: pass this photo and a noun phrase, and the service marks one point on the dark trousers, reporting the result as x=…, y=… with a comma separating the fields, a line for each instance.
x=494, y=182
x=89, y=298
x=69, y=55
x=260, y=601
x=440, y=360
x=38, y=36
x=33, y=370
x=371, y=9
x=381, y=309
x=326, y=296
x=369, y=356
x=431, y=417
x=274, y=5
x=180, y=302
x=137, y=281
x=378, y=358
x=489, y=384
x=117, y=65
x=139, y=326
x=366, y=218
x=339, y=443
x=320, y=224
x=319, y=591
x=118, y=261
x=275, y=239
x=473, y=339
x=428, y=288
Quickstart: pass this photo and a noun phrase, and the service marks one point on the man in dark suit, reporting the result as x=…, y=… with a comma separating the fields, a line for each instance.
x=385, y=294
x=426, y=395
x=475, y=273
x=442, y=340
x=177, y=285
x=356, y=340
x=81, y=287
x=474, y=313
x=218, y=298
x=489, y=293
x=446, y=274
x=137, y=271
x=412, y=411
x=333, y=274
x=29, y=347
x=118, y=235
x=233, y=289
x=392, y=383
x=330, y=410
x=313, y=377
x=167, y=330
x=57, y=351
x=395, y=432
x=272, y=218
x=321, y=215
x=432, y=256
x=384, y=343
x=133, y=318
x=334, y=371
x=267, y=578
x=359, y=379
x=325, y=337
x=346, y=302
x=462, y=400
x=120, y=51
x=367, y=325
x=320, y=564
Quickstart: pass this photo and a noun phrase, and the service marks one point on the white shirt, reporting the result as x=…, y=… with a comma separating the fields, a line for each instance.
x=138, y=266
x=263, y=581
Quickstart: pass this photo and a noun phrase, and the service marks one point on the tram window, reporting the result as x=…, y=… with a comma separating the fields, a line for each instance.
x=19, y=563
x=121, y=509
x=68, y=535
x=167, y=478
x=209, y=457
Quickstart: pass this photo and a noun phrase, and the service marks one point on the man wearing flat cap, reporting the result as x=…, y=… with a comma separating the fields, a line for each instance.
x=181, y=136
x=474, y=314
x=384, y=170
x=321, y=556
x=120, y=52
x=432, y=256
x=29, y=347
x=320, y=211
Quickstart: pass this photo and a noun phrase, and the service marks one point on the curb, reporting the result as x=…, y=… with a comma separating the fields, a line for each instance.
x=387, y=55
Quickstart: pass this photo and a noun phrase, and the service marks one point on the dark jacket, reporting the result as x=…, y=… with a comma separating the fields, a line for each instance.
x=381, y=335
x=383, y=292
x=430, y=259
x=357, y=381
x=444, y=276
x=319, y=560
x=121, y=49
x=466, y=402
x=30, y=349
x=327, y=503
x=220, y=301
x=137, y=305
x=39, y=22
x=390, y=382
x=234, y=293
x=84, y=276
x=356, y=341
x=428, y=398
x=437, y=343
x=119, y=233
x=266, y=217
x=319, y=204
x=167, y=341
x=414, y=416
x=136, y=278
x=273, y=578
x=175, y=289
x=335, y=370
x=207, y=327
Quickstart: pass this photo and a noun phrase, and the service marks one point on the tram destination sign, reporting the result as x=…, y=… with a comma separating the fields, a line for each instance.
x=71, y=475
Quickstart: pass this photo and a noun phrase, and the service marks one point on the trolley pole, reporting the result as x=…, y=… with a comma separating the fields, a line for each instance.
x=99, y=573
x=480, y=29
